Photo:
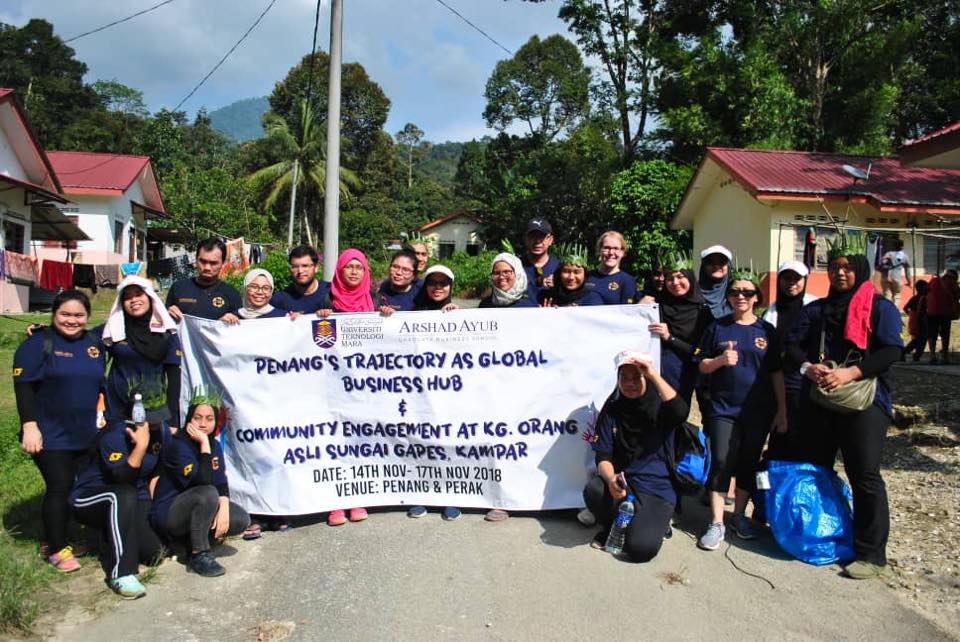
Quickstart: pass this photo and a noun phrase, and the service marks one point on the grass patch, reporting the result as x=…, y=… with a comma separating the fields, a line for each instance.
x=23, y=575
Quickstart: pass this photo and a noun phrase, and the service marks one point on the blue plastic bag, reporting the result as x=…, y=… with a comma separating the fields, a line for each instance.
x=808, y=508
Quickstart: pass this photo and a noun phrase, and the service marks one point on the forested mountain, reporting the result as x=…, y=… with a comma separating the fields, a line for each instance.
x=240, y=121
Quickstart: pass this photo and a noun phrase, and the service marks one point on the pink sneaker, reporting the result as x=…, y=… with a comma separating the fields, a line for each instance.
x=64, y=560
x=336, y=518
x=358, y=514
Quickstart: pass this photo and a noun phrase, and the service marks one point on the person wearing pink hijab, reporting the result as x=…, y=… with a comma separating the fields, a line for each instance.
x=350, y=287
x=349, y=292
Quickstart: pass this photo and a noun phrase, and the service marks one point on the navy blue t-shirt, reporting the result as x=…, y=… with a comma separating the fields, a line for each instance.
x=650, y=472
x=291, y=300
x=180, y=471
x=128, y=365
x=617, y=288
x=211, y=302
x=66, y=386
x=747, y=386
x=525, y=302
x=275, y=313
x=400, y=301
x=590, y=298
x=886, y=325
x=109, y=459
x=535, y=276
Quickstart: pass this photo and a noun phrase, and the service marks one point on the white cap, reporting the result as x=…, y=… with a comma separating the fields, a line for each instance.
x=438, y=269
x=622, y=356
x=716, y=249
x=794, y=266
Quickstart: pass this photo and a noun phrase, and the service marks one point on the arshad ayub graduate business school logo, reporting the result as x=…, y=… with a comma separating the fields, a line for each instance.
x=325, y=333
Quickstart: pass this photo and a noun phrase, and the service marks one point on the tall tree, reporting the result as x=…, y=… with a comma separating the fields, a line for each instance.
x=409, y=136
x=302, y=164
x=544, y=85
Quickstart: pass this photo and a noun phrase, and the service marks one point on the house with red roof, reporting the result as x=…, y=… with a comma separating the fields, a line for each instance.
x=458, y=231
x=112, y=198
x=939, y=149
x=770, y=206
x=29, y=196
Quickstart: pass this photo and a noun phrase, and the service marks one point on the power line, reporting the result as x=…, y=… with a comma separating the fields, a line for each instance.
x=485, y=34
x=313, y=52
x=226, y=55
x=116, y=22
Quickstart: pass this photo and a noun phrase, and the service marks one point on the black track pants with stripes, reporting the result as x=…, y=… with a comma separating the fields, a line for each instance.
x=126, y=538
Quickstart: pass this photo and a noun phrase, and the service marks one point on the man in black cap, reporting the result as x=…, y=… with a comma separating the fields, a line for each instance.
x=538, y=264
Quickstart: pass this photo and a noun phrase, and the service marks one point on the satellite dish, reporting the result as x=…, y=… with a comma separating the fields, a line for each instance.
x=856, y=172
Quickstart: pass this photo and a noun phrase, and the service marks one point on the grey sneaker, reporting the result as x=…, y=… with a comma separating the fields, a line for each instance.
x=743, y=527
x=711, y=540
x=586, y=517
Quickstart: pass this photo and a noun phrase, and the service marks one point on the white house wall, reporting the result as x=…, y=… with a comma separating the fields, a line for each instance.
x=459, y=231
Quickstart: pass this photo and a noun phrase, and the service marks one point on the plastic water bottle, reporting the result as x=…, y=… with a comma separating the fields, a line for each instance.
x=618, y=532
x=139, y=414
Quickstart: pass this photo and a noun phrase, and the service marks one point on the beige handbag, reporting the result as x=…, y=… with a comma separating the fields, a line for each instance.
x=850, y=398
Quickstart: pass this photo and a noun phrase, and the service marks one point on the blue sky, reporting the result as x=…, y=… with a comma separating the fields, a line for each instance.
x=431, y=64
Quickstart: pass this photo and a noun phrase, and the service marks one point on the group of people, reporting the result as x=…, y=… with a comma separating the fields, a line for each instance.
x=161, y=481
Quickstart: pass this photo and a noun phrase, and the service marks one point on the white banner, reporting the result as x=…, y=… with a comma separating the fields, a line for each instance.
x=472, y=408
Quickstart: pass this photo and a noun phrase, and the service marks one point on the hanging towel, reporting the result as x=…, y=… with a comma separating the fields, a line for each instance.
x=107, y=275
x=56, y=276
x=84, y=276
x=128, y=269
x=160, y=321
x=3, y=264
x=20, y=267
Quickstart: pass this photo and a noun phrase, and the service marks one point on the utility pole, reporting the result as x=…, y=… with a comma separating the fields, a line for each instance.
x=331, y=201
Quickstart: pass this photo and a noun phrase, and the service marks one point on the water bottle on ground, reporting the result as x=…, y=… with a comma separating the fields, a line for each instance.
x=139, y=414
x=618, y=532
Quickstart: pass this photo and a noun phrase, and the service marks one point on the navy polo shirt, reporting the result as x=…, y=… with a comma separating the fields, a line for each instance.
x=885, y=332
x=400, y=301
x=113, y=448
x=69, y=380
x=207, y=302
x=525, y=302
x=128, y=365
x=618, y=288
x=535, y=276
x=648, y=473
x=292, y=300
x=747, y=386
x=590, y=298
x=180, y=471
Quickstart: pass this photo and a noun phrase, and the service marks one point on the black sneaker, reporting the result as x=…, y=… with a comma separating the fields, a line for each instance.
x=599, y=541
x=203, y=564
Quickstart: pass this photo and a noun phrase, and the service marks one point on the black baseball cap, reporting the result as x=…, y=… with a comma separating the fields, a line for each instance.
x=541, y=225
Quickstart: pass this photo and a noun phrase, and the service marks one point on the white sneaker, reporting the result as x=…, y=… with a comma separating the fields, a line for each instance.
x=586, y=518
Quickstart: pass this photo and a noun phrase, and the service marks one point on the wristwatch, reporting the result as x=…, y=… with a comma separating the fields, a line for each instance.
x=803, y=368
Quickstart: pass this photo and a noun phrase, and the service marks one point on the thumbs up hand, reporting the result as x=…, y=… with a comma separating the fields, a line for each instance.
x=729, y=357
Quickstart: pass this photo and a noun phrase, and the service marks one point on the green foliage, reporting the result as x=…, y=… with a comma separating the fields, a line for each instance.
x=117, y=97
x=240, y=121
x=275, y=263
x=472, y=273
x=544, y=85
x=643, y=197
x=439, y=161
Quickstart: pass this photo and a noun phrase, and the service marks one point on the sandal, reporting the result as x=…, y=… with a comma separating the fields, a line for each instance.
x=253, y=531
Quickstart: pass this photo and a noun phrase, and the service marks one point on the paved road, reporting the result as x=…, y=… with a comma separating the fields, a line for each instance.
x=526, y=578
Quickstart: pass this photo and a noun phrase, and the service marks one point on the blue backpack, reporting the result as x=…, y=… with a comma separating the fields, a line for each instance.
x=689, y=459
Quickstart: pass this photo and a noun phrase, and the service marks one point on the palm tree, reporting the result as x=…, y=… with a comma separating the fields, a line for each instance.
x=302, y=165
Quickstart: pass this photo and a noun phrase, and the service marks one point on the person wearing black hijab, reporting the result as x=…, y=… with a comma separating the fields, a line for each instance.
x=570, y=286
x=632, y=438
x=861, y=333
x=683, y=316
x=715, y=278
x=782, y=313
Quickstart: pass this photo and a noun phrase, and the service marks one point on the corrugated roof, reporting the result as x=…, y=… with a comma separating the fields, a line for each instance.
x=444, y=219
x=889, y=186
x=88, y=170
x=935, y=134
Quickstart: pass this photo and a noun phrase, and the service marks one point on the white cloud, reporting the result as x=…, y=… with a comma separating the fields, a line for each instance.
x=431, y=65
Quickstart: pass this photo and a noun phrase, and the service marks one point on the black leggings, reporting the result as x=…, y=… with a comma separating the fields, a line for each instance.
x=192, y=513
x=735, y=449
x=938, y=325
x=650, y=520
x=126, y=539
x=787, y=446
x=59, y=469
x=860, y=438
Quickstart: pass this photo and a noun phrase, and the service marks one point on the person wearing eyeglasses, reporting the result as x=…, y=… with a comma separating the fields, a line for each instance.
x=859, y=332
x=742, y=355
x=607, y=279
x=257, y=293
x=399, y=290
x=306, y=293
x=509, y=284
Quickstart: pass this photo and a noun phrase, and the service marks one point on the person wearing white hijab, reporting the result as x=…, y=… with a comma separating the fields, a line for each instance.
x=509, y=281
x=257, y=290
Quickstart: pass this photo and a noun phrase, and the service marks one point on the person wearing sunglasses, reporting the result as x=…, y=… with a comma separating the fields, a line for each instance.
x=859, y=331
x=399, y=290
x=742, y=355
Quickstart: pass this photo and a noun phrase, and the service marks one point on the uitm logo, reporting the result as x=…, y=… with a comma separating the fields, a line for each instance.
x=325, y=333
x=93, y=352
x=218, y=301
x=760, y=342
x=613, y=286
